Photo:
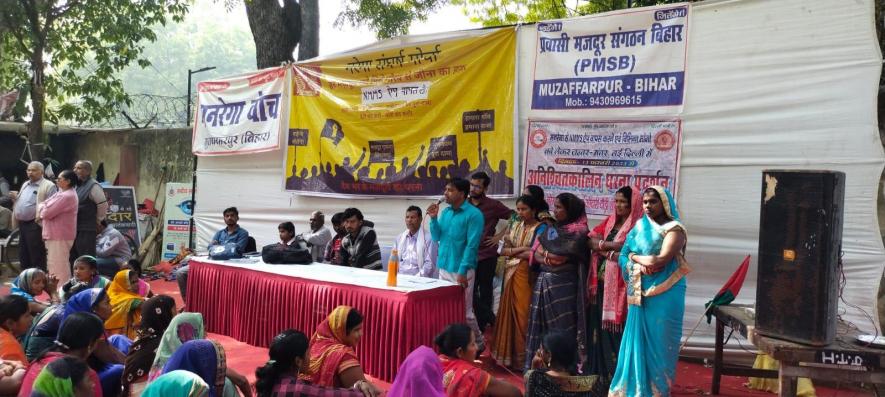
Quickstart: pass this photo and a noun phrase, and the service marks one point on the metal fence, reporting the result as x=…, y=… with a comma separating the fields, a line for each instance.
x=147, y=111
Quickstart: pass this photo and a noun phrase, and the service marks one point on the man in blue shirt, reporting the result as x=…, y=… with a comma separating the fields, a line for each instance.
x=458, y=231
x=232, y=233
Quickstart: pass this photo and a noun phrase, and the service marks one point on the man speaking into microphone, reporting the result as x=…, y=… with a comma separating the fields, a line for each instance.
x=458, y=231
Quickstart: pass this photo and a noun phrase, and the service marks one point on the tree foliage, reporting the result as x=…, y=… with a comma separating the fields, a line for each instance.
x=69, y=51
x=508, y=12
x=387, y=18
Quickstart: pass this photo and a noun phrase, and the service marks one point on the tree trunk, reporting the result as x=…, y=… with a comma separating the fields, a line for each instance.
x=276, y=30
x=309, y=47
x=38, y=105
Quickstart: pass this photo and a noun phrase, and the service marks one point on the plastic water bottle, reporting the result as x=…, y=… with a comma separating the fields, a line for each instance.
x=392, y=268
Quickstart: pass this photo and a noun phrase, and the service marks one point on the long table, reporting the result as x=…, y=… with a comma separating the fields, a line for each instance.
x=252, y=302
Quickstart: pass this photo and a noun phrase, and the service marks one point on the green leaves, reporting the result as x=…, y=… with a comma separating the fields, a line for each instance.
x=387, y=18
x=83, y=44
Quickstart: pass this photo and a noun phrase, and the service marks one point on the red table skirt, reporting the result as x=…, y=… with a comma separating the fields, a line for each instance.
x=253, y=307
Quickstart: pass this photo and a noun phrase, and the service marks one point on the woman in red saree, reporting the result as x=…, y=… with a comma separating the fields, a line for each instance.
x=606, y=289
x=461, y=377
x=333, y=361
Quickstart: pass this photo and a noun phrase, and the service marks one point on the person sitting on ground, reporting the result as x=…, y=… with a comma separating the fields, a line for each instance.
x=110, y=352
x=177, y=384
x=30, y=284
x=555, y=367
x=416, y=248
x=333, y=361
x=144, y=288
x=44, y=328
x=184, y=327
x=287, y=233
x=231, y=234
x=125, y=302
x=288, y=357
x=15, y=319
x=11, y=375
x=359, y=248
x=318, y=236
x=85, y=272
x=156, y=315
x=65, y=377
x=333, y=248
x=78, y=336
x=420, y=375
x=111, y=249
x=461, y=377
x=206, y=358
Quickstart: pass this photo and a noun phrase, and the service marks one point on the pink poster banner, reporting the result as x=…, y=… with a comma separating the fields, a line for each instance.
x=594, y=159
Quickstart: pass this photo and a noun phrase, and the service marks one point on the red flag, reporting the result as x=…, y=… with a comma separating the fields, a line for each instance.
x=731, y=288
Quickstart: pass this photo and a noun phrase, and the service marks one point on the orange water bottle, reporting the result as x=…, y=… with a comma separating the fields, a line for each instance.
x=392, y=268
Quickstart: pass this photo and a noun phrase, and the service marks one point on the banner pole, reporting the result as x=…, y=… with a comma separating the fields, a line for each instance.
x=691, y=333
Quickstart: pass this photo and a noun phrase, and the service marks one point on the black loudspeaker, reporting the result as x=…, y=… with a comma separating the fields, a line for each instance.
x=800, y=240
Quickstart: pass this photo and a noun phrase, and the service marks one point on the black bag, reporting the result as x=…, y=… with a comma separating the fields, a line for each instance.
x=279, y=254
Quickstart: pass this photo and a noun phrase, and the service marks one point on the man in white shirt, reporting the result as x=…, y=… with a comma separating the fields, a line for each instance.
x=33, y=192
x=318, y=236
x=417, y=251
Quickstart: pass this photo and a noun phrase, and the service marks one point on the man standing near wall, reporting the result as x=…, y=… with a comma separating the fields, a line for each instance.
x=32, y=250
x=318, y=237
x=92, y=209
x=458, y=231
x=492, y=211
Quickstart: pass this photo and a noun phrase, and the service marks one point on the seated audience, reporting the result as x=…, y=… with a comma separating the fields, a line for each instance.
x=333, y=361
x=125, y=302
x=318, y=236
x=555, y=367
x=45, y=326
x=110, y=352
x=86, y=272
x=461, y=376
x=144, y=288
x=333, y=248
x=65, y=377
x=231, y=234
x=420, y=375
x=30, y=283
x=287, y=233
x=288, y=357
x=78, y=337
x=177, y=384
x=184, y=327
x=416, y=249
x=11, y=375
x=15, y=319
x=359, y=248
x=206, y=358
x=156, y=314
x=111, y=249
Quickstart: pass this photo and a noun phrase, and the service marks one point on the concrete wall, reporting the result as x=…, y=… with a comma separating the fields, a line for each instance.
x=154, y=150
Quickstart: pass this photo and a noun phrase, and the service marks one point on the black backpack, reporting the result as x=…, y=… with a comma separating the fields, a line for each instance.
x=279, y=254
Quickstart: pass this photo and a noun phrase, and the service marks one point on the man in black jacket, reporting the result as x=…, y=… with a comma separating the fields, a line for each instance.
x=360, y=246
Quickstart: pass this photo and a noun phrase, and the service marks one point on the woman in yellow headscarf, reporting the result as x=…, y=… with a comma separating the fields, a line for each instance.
x=125, y=303
x=333, y=362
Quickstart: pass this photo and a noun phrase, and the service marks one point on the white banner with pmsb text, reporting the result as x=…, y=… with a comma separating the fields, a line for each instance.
x=592, y=160
x=243, y=114
x=619, y=60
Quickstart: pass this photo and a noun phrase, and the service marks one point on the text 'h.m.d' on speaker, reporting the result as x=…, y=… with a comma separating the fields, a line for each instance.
x=800, y=240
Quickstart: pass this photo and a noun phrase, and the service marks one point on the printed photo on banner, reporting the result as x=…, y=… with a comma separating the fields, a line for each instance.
x=403, y=121
x=176, y=218
x=624, y=59
x=594, y=159
x=123, y=213
x=244, y=114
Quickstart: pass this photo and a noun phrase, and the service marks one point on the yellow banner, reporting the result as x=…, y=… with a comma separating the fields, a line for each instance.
x=402, y=121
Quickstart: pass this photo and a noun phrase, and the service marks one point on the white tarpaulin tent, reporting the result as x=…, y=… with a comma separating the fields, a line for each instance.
x=769, y=84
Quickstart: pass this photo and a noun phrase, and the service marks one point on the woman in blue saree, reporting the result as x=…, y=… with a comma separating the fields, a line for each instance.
x=653, y=266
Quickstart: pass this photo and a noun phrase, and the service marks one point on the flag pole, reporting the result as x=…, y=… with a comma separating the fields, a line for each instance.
x=693, y=329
